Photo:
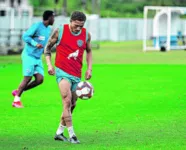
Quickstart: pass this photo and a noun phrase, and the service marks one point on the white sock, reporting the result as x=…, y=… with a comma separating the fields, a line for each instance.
x=71, y=131
x=17, y=99
x=60, y=129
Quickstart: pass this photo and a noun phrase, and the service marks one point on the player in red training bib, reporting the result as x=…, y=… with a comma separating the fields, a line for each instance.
x=71, y=40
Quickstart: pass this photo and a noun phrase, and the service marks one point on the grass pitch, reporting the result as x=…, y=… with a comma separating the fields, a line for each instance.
x=139, y=103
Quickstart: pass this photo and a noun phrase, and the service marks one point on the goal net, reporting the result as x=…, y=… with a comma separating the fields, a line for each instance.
x=164, y=29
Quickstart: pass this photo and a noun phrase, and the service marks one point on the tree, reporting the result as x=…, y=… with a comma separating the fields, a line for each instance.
x=64, y=8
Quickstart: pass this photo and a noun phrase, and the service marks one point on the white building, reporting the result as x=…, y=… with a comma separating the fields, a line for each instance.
x=13, y=10
x=15, y=17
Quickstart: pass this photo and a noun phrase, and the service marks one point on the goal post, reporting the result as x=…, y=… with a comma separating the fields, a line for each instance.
x=163, y=28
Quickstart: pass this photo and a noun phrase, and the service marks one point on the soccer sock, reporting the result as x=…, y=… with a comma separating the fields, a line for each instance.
x=16, y=99
x=60, y=129
x=71, y=131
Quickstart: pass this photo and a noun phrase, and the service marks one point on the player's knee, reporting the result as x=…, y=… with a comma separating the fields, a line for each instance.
x=67, y=104
x=27, y=80
x=66, y=96
x=39, y=81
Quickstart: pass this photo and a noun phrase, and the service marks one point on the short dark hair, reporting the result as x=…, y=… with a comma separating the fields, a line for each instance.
x=47, y=14
x=77, y=15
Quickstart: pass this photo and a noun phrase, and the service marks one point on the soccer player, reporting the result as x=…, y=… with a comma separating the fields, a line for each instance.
x=71, y=39
x=35, y=38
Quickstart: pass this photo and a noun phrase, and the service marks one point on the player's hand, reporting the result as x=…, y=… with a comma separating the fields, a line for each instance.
x=88, y=74
x=51, y=70
x=39, y=46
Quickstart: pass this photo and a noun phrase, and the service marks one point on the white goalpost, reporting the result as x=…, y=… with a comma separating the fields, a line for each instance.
x=163, y=28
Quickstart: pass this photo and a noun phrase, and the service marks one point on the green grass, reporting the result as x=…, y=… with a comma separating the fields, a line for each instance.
x=139, y=103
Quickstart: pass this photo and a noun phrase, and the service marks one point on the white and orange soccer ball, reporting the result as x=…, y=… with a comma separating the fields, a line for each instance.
x=84, y=90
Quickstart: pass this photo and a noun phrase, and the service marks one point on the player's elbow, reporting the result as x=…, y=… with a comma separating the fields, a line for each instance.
x=24, y=37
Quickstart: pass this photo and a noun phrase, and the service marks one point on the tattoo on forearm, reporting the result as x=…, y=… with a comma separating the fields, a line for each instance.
x=88, y=49
x=52, y=41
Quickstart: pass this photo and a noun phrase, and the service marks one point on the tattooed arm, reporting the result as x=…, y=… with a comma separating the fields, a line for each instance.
x=88, y=73
x=52, y=41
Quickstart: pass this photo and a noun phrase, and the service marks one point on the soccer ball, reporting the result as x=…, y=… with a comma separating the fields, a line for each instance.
x=84, y=90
